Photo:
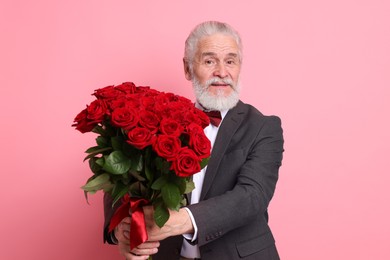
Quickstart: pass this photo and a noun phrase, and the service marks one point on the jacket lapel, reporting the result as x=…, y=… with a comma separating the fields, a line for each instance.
x=228, y=127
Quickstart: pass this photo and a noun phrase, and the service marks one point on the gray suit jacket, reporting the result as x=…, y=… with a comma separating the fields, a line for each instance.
x=239, y=183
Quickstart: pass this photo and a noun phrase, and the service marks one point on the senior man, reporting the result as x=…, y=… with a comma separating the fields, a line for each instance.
x=227, y=217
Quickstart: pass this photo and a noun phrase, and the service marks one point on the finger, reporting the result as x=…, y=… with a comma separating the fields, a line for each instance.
x=147, y=248
x=126, y=220
x=123, y=236
x=149, y=244
x=122, y=230
x=124, y=226
x=143, y=252
x=130, y=256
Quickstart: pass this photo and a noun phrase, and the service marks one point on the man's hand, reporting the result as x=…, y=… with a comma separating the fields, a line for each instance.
x=143, y=251
x=179, y=223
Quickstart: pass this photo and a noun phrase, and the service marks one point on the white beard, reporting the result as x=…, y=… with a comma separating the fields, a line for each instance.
x=216, y=101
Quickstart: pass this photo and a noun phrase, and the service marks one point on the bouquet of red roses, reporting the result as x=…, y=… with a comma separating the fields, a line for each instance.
x=149, y=144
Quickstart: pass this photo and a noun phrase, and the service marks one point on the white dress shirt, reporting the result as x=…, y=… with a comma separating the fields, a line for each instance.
x=188, y=250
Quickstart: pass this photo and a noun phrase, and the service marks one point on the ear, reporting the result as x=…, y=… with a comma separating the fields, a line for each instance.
x=187, y=71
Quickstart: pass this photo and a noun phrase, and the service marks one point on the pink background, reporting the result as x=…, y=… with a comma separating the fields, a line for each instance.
x=322, y=66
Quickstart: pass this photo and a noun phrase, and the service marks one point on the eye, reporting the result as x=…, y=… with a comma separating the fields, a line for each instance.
x=230, y=62
x=209, y=62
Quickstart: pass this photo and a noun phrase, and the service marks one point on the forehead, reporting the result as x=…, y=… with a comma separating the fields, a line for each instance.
x=217, y=44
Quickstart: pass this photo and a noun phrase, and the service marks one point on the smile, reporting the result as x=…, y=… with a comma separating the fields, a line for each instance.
x=220, y=85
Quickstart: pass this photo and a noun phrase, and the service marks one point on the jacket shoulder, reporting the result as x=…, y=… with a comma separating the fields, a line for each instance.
x=252, y=114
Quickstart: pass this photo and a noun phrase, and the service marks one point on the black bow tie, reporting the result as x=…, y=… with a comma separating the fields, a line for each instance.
x=215, y=117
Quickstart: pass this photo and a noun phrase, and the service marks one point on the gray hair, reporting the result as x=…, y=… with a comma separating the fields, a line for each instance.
x=207, y=29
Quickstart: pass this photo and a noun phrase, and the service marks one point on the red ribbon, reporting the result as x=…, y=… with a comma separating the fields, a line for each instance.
x=138, y=234
x=215, y=117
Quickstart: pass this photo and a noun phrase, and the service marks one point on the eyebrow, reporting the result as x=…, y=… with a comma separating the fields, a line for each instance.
x=231, y=54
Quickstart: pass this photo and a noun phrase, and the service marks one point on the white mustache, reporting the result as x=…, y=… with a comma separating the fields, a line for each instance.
x=227, y=81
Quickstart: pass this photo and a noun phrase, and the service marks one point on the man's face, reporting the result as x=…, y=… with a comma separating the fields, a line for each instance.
x=216, y=70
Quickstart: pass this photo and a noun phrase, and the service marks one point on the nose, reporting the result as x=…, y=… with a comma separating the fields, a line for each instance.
x=220, y=70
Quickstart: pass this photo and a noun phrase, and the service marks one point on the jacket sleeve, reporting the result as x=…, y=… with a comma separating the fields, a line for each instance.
x=253, y=170
x=108, y=237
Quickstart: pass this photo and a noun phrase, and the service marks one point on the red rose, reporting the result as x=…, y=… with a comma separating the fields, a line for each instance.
x=193, y=128
x=199, y=142
x=140, y=137
x=149, y=120
x=141, y=89
x=162, y=111
x=179, y=106
x=161, y=104
x=167, y=146
x=184, y=100
x=175, y=98
x=170, y=126
x=179, y=114
x=186, y=163
x=132, y=101
x=116, y=103
x=147, y=102
x=190, y=117
x=183, y=112
x=204, y=120
x=124, y=117
x=165, y=98
x=96, y=111
x=106, y=93
x=82, y=124
x=126, y=87
x=152, y=92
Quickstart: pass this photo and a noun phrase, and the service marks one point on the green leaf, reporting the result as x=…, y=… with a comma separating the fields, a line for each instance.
x=125, y=178
x=137, y=175
x=159, y=183
x=137, y=189
x=119, y=190
x=183, y=202
x=117, y=163
x=96, y=151
x=86, y=196
x=165, y=167
x=95, y=168
x=102, y=141
x=99, y=130
x=92, y=149
x=190, y=185
x=137, y=164
x=171, y=196
x=96, y=182
x=181, y=183
x=107, y=187
x=161, y=214
x=204, y=162
x=158, y=162
x=129, y=150
x=117, y=142
x=147, y=158
x=100, y=161
x=148, y=173
x=162, y=165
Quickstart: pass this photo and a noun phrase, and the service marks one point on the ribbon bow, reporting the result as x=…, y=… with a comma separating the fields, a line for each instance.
x=138, y=233
x=215, y=117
